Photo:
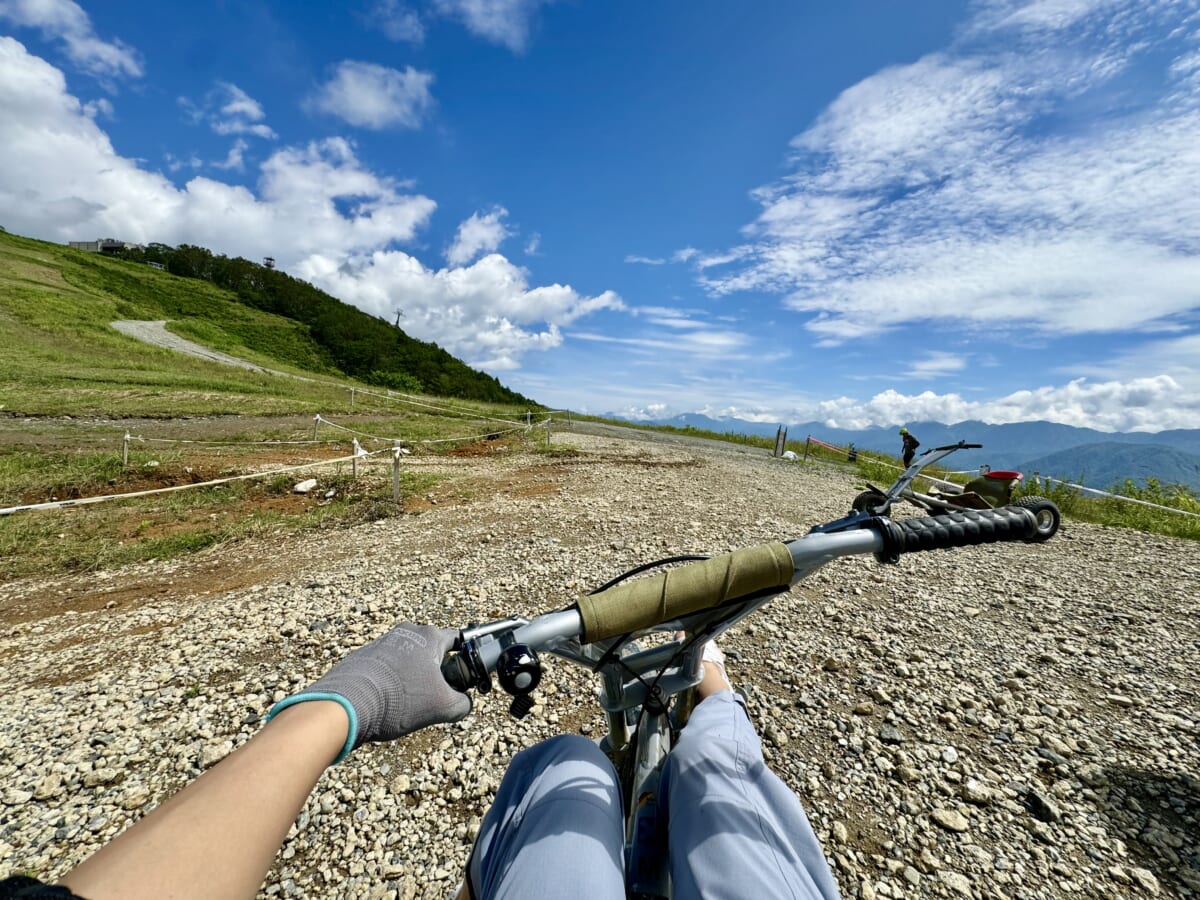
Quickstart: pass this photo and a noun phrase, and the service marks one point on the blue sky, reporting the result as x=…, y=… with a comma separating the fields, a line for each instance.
x=862, y=212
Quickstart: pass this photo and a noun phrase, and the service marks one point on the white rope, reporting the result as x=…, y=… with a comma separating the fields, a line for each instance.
x=454, y=440
x=84, y=501
x=147, y=440
x=1080, y=487
x=321, y=418
x=406, y=398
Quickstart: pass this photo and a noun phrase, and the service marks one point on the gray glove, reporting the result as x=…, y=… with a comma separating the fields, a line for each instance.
x=390, y=687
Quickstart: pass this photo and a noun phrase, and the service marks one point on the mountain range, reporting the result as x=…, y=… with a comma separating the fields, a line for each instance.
x=1081, y=455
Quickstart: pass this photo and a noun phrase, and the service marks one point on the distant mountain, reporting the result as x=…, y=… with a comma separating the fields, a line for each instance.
x=1062, y=451
x=1103, y=465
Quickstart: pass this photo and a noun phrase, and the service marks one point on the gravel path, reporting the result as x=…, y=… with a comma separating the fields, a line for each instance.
x=156, y=333
x=1019, y=721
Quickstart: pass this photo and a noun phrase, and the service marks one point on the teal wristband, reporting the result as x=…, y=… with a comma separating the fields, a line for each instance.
x=351, y=736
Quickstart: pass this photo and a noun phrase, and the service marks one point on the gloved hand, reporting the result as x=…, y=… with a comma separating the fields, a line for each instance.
x=390, y=687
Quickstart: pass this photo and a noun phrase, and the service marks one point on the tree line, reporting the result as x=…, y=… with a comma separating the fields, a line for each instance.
x=360, y=345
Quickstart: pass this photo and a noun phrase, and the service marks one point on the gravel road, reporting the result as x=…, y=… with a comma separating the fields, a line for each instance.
x=1019, y=721
x=156, y=333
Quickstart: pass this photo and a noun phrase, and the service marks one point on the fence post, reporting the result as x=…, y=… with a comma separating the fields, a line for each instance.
x=355, y=451
x=806, y=440
x=352, y=398
x=780, y=441
x=125, y=451
x=396, y=471
x=548, y=421
x=316, y=422
x=528, y=418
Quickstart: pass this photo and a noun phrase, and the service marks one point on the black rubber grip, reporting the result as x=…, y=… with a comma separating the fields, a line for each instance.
x=959, y=529
x=457, y=672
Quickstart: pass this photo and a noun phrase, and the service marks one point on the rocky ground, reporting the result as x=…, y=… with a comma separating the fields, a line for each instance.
x=1014, y=721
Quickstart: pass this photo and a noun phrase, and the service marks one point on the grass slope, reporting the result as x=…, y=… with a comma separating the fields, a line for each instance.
x=59, y=354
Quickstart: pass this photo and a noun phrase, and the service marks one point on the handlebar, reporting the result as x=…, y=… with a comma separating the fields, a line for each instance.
x=677, y=592
x=960, y=529
x=740, y=576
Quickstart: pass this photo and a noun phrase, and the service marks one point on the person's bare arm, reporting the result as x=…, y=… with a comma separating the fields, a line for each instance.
x=218, y=836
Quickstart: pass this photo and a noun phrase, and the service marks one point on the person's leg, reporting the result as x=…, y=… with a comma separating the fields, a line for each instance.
x=734, y=828
x=555, y=828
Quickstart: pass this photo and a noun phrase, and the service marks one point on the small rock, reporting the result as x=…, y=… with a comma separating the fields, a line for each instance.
x=975, y=791
x=1145, y=880
x=1119, y=700
x=214, y=752
x=950, y=819
x=890, y=734
x=305, y=486
x=777, y=737
x=1042, y=807
x=956, y=881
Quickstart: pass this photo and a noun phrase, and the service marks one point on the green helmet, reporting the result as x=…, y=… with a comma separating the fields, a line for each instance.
x=904, y=431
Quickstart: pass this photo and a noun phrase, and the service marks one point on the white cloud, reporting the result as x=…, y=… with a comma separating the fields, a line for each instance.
x=485, y=313
x=505, y=22
x=66, y=20
x=1141, y=404
x=368, y=95
x=532, y=245
x=936, y=363
x=397, y=21
x=100, y=107
x=229, y=110
x=678, y=256
x=478, y=235
x=945, y=191
x=55, y=159
x=235, y=160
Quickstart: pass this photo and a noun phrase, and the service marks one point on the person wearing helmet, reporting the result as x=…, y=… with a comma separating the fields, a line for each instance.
x=910, y=446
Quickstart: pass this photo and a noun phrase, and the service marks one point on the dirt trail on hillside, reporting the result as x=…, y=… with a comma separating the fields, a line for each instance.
x=156, y=333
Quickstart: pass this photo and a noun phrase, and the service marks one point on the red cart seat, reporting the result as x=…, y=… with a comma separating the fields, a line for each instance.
x=1004, y=474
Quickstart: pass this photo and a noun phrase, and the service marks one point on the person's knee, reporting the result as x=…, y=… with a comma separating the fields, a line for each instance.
x=563, y=749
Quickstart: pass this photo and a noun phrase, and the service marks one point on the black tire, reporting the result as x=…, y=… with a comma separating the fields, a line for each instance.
x=1047, y=515
x=867, y=501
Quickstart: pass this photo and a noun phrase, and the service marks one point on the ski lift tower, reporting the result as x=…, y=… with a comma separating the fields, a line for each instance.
x=269, y=262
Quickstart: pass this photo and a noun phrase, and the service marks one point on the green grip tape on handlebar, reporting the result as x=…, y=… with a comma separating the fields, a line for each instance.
x=677, y=592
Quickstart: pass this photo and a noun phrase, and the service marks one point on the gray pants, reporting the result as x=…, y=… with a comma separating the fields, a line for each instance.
x=734, y=828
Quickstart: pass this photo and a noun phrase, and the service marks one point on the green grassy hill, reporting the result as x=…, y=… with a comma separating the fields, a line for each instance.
x=60, y=355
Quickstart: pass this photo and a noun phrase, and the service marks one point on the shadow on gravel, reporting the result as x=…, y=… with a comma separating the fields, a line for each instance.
x=1157, y=815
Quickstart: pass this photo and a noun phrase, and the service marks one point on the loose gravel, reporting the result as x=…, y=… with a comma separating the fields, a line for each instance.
x=1017, y=721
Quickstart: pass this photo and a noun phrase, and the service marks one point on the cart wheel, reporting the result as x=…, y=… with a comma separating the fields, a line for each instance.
x=867, y=501
x=1047, y=516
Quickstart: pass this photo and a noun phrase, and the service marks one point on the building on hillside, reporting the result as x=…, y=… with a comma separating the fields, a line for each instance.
x=104, y=245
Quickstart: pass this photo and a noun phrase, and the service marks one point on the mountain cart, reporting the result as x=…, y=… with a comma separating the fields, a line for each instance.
x=988, y=490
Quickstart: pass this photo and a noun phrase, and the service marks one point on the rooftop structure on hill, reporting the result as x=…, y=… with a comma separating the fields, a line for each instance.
x=104, y=245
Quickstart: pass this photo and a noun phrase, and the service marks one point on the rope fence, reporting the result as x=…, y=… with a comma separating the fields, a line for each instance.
x=358, y=454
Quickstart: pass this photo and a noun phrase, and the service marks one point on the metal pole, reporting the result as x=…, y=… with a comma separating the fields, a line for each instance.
x=548, y=421
x=352, y=398
x=125, y=451
x=396, y=471
x=354, y=450
x=806, y=440
x=316, y=422
x=528, y=418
